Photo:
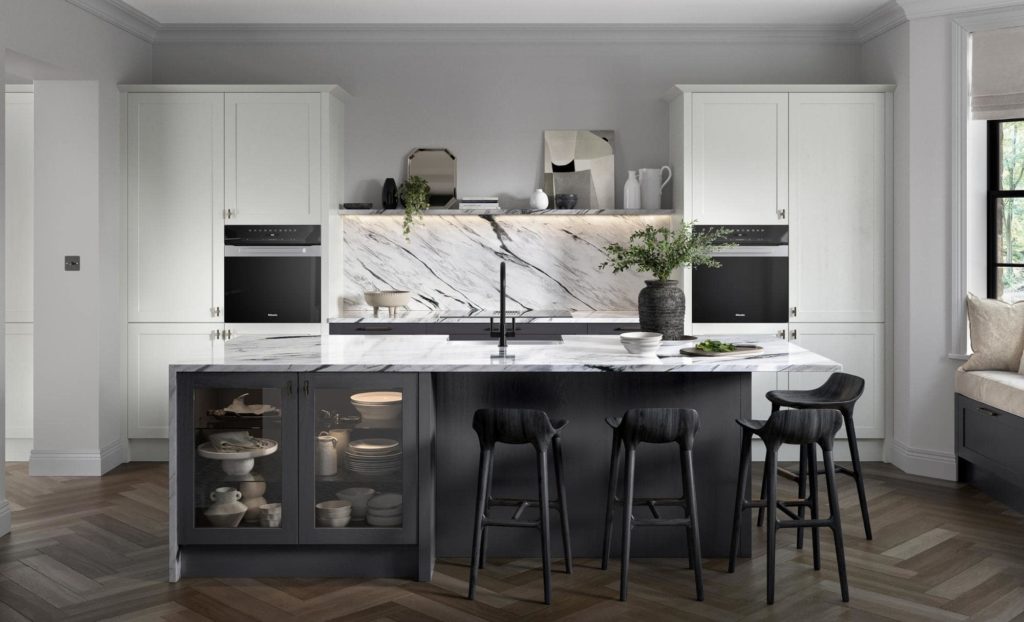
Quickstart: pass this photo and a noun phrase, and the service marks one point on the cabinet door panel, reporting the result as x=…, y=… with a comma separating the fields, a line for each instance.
x=18, y=399
x=18, y=193
x=273, y=158
x=175, y=164
x=739, y=158
x=861, y=350
x=837, y=200
x=151, y=350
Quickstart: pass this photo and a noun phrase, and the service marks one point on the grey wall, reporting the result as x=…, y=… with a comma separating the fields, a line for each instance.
x=489, y=103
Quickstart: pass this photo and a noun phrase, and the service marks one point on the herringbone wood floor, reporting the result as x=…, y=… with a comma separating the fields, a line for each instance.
x=94, y=548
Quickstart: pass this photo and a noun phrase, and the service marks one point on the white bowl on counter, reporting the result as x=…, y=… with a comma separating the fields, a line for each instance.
x=642, y=343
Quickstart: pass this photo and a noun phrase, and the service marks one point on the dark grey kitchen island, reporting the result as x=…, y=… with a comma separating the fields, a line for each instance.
x=384, y=423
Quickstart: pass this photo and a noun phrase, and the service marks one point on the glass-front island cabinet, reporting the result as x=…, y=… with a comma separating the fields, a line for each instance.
x=311, y=474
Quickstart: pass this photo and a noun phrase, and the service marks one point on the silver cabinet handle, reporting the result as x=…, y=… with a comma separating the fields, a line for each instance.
x=228, y=334
x=987, y=412
x=781, y=334
x=792, y=334
x=216, y=334
x=782, y=214
x=229, y=214
x=792, y=311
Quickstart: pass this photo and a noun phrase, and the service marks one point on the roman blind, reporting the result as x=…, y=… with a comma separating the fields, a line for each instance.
x=997, y=74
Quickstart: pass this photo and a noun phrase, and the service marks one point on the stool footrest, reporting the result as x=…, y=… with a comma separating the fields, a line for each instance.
x=511, y=523
x=661, y=522
x=807, y=522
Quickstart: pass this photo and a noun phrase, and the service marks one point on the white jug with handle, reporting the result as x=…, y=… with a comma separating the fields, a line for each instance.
x=651, y=186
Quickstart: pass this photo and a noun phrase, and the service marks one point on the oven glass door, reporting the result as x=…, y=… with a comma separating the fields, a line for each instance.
x=744, y=289
x=278, y=289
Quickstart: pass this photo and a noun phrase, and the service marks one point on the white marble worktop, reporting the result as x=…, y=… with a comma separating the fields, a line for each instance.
x=407, y=316
x=434, y=353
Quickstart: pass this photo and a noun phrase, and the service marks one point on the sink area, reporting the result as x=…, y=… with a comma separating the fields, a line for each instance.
x=524, y=342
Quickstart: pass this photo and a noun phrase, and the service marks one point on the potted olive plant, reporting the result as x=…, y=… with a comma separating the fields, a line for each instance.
x=415, y=196
x=660, y=251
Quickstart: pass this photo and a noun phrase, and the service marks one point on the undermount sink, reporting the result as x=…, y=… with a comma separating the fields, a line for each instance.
x=514, y=342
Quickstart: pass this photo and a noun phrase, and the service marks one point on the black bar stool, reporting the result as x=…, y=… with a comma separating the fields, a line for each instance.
x=840, y=392
x=792, y=427
x=518, y=427
x=653, y=425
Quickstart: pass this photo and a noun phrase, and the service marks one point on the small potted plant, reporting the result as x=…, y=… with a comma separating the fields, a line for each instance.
x=415, y=196
x=660, y=251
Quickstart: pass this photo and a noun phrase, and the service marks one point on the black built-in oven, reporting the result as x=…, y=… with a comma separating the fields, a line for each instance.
x=752, y=284
x=272, y=274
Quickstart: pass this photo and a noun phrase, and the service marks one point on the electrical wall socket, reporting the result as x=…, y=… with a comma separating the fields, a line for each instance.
x=72, y=263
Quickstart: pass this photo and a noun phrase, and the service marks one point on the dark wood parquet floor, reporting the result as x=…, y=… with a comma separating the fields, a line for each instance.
x=94, y=548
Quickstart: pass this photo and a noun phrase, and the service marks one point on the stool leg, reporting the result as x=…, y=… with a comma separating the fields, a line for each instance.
x=858, y=476
x=610, y=506
x=801, y=494
x=487, y=509
x=812, y=471
x=478, y=520
x=742, y=482
x=563, y=513
x=545, y=511
x=770, y=464
x=693, y=531
x=764, y=491
x=837, y=528
x=627, y=521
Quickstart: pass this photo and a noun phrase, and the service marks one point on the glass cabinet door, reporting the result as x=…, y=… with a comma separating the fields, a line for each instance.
x=237, y=462
x=357, y=439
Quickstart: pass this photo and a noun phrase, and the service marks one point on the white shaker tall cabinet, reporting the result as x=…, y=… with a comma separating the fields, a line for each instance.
x=199, y=158
x=817, y=158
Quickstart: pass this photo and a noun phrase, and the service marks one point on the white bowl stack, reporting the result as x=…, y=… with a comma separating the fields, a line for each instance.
x=335, y=513
x=373, y=456
x=384, y=510
x=378, y=408
x=645, y=344
x=359, y=498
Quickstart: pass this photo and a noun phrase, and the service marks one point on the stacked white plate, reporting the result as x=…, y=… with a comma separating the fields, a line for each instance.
x=378, y=408
x=373, y=456
x=384, y=510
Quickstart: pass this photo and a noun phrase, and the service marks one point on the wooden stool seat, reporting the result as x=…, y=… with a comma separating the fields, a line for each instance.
x=652, y=425
x=515, y=426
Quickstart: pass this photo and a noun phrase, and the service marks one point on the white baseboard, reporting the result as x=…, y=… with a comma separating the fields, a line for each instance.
x=5, y=517
x=147, y=450
x=870, y=451
x=924, y=462
x=17, y=449
x=86, y=463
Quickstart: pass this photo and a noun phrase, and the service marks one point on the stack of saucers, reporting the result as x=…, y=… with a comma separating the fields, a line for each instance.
x=373, y=456
x=384, y=510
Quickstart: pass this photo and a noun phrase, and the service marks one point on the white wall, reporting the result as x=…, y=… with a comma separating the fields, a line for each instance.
x=75, y=45
x=490, y=103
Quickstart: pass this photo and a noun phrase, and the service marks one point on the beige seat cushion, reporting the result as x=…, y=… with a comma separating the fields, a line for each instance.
x=999, y=389
x=997, y=334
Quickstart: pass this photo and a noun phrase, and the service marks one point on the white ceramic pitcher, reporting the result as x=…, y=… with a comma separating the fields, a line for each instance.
x=651, y=186
x=326, y=454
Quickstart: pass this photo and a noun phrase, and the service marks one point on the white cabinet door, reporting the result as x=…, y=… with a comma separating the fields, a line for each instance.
x=837, y=203
x=18, y=399
x=860, y=348
x=151, y=350
x=18, y=192
x=761, y=382
x=175, y=160
x=740, y=158
x=273, y=158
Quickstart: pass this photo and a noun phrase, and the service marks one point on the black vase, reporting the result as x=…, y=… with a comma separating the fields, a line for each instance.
x=389, y=194
x=662, y=307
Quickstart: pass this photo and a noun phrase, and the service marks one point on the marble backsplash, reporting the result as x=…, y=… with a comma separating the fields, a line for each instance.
x=451, y=262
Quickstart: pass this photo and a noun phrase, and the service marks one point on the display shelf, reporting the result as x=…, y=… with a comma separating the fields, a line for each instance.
x=509, y=212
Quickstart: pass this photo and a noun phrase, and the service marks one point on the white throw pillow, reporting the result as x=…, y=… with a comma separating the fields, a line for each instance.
x=997, y=334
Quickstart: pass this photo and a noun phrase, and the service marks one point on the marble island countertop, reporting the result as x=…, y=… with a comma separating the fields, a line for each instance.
x=483, y=316
x=434, y=353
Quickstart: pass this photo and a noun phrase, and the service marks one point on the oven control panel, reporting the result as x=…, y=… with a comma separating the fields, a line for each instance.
x=272, y=235
x=750, y=235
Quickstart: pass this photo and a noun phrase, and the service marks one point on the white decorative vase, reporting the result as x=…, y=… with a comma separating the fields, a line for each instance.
x=539, y=199
x=631, y=192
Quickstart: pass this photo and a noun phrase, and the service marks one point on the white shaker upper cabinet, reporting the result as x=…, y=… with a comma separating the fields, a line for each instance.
x=175, y=161
x=272, y=160
x=739, y=159
x=19, y=198
x=837, y=198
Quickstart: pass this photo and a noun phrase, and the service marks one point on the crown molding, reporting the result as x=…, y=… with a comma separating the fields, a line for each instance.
x=880, y=21
x=919, y=9
x=121, y=15
x=501, y=33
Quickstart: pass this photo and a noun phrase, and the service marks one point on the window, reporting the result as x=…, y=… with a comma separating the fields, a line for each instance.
x=1006, y=210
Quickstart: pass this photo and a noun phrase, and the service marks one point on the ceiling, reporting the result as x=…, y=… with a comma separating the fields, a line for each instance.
x=399, y=12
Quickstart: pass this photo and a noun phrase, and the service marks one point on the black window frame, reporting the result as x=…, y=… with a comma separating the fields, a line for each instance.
x=994, y=195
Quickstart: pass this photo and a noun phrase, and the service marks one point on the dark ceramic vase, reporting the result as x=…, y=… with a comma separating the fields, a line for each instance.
x=662, y=307
x=389, y=194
